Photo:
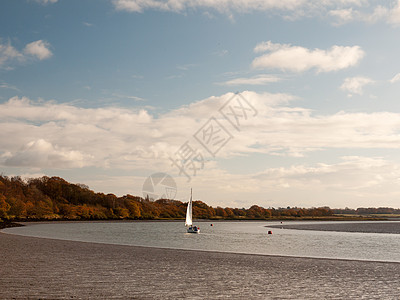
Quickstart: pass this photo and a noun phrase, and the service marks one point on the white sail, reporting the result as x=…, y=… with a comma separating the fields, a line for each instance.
x=188, y=221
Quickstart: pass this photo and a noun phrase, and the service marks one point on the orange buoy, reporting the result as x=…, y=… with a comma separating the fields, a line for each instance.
x=269, y=232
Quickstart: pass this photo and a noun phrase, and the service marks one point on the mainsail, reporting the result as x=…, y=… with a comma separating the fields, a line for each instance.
x=188, y=221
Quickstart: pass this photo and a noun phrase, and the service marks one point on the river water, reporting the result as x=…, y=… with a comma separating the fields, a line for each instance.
x=238, y=237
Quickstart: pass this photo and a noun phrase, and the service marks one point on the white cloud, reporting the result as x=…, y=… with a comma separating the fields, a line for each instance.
x=299, y=59
x=72, y=135
x=39, y=49
x=355, y=85
x=379, y=13
x=395, y=78
x=394, y=14
x=10, y=56
x=347, y=15
x=42, y=154
x=255, y=80
x=368, y=13
x=269, y=46
x=343, y=15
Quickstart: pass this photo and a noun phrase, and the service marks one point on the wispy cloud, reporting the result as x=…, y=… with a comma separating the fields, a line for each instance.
x=346, y=182
x=343, y=11
x=335, y=12
x=45, y=2
x=255, y=80
x=395, y=78
x=5, y=85
x=223, y=6
x=121, y=96
x=299, y=59
x=222, y=52
x=369, y=13
x=351, y=173
x=186, y=67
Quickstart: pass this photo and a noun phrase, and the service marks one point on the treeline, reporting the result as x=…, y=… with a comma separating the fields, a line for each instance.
x=54, y=198
x=368, y=211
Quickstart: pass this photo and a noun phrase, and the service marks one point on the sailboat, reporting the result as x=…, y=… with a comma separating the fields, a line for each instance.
x=189, y=222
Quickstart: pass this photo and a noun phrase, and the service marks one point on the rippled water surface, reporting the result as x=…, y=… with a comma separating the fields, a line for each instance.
x=239, y=237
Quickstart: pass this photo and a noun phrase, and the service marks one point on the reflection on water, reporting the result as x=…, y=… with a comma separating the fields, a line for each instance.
x=239, y=237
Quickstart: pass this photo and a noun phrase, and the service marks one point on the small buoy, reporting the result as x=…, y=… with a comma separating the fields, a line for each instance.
x=269, y=232
x=211, y=225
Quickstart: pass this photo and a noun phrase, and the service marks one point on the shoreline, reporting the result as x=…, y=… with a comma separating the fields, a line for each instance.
x=17, y=223
x=280, y=226
x=36, y=268
x=285, y=219
x=206, y=251
x=58, y=269
x=7, y=224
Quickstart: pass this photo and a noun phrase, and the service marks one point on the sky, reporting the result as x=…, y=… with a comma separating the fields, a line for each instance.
x=275, y=103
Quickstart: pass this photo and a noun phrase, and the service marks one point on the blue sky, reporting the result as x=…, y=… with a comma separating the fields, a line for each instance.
x=108, y=92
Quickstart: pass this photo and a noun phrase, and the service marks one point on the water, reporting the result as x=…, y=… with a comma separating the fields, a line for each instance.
x=237, y=237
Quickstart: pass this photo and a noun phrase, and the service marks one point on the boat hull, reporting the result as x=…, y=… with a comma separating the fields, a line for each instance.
x=193, y=230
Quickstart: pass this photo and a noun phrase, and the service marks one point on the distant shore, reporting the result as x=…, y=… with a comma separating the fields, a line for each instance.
x=55, y=269
x=375, y=227
x=15, y=222
x=18, y=223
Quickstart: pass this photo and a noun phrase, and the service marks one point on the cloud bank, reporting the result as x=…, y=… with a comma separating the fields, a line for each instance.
x=50, y=135
x=59, y=135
